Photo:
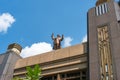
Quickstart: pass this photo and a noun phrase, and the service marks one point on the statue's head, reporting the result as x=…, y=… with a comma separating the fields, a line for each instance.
x=58, y=35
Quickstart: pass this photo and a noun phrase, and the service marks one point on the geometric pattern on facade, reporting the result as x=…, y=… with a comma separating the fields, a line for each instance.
x=106, y=68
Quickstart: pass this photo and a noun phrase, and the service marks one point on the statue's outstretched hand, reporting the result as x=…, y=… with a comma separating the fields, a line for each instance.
x=52, y=36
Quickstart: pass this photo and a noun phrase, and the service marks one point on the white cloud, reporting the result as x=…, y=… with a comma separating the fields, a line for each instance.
x=36, y=48
x=67, y=41
x=84, y=39
x=6, y=20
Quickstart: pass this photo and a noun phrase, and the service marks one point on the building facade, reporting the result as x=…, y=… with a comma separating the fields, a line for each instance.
x=103, y=41
x=62, y=64
x=8, y=61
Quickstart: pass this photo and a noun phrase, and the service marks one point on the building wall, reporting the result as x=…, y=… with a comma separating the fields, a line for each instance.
x=7, y=64
x=56, y=62
x=99, y=17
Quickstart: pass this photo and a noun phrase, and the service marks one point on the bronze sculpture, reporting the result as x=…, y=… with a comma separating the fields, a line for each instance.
x=101, y=1
x=57, y=41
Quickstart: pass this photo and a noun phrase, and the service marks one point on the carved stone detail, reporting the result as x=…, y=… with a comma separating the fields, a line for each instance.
x=106, y=69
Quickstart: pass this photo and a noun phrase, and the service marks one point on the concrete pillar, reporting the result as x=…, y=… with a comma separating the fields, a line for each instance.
x=8, y=60
x=58, y=77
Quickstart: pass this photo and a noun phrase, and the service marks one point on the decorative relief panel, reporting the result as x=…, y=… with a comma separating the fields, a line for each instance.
x=106, y=70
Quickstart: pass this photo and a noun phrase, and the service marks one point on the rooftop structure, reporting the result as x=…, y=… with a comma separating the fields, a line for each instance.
x=62, y=62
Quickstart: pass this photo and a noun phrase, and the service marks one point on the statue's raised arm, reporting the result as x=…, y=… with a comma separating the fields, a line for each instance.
x=62, y=37
x=52, y=36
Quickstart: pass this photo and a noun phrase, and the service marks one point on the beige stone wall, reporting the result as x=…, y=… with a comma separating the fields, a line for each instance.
x=51, y=56
x=58, y=61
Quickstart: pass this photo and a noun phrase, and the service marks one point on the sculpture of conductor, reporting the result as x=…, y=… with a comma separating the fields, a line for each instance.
x=57, y=41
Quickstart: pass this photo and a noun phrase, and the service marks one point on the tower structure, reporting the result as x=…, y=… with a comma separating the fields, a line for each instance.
x=103, y=40
x=8, y=61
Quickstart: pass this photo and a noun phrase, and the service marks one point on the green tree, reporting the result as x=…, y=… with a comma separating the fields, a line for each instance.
x=17, y=78
x=32, y=74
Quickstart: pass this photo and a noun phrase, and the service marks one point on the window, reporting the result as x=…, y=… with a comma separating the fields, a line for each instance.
x=101, y=9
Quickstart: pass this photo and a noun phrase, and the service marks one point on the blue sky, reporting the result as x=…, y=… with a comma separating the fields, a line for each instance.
x=31, y=22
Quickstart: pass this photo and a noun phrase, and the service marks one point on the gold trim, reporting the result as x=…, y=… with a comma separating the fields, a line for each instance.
x=105, y=54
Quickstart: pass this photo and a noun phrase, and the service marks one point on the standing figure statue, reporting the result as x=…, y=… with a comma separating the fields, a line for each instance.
x=57, y=41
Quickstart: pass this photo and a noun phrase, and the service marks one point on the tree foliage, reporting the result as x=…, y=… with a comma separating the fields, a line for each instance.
x=17, y=78
x=32, y=74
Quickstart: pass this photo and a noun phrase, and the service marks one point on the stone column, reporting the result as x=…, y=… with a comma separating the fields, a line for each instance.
x=58, y=77
x=8, y=61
